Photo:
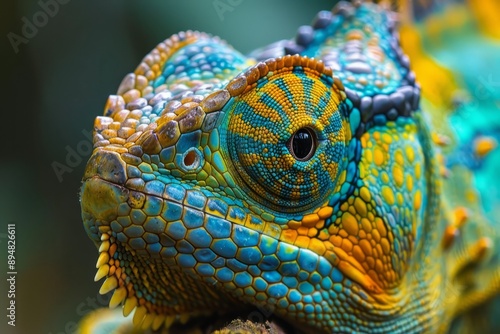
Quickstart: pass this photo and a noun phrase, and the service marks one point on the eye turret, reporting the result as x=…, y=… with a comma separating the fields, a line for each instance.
x=285, y=132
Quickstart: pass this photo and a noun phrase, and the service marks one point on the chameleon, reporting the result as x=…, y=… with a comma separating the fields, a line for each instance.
x=303, y=181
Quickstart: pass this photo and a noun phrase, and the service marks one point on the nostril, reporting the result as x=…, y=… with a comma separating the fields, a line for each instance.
x=189, y=158
x=192, y=160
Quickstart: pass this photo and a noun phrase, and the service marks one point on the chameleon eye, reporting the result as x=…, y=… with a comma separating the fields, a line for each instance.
x=302, y=144
x=285, y=133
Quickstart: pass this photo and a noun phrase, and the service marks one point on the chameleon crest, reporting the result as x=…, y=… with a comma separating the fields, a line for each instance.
x=302, y=180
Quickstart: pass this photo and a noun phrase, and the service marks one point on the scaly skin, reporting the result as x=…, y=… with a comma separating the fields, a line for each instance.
x=204, y=197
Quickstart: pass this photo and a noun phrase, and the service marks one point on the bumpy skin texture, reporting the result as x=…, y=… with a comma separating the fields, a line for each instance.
x=307, y=187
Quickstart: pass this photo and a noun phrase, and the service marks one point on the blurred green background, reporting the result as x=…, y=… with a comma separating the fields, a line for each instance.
x=52, y=89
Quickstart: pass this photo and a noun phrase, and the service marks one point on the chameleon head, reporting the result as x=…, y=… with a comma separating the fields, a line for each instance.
x=246, y=187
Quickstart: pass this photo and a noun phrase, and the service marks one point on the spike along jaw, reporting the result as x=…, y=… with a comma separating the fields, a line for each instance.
x=258, y=195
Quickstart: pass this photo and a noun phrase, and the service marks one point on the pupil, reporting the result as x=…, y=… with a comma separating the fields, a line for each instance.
x=302, y=144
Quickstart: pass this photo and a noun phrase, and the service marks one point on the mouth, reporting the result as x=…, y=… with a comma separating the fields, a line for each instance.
x=153, y=273
x=141, y=268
